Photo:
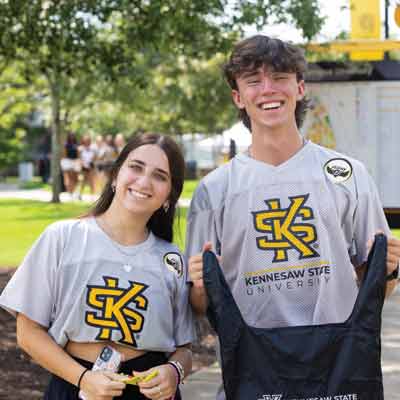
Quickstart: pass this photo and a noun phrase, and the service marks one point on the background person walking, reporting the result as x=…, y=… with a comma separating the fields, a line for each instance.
x=70, y=163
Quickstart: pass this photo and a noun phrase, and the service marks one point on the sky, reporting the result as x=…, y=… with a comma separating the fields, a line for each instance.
x=338, y=20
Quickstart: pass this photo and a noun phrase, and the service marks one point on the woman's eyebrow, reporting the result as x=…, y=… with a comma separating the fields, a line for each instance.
x=137, y=161
x=142, y=163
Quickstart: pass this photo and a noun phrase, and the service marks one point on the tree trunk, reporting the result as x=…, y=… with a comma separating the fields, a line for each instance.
x=56, y=129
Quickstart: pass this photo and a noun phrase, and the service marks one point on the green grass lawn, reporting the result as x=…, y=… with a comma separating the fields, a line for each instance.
x=188, y=188
x=24, y=220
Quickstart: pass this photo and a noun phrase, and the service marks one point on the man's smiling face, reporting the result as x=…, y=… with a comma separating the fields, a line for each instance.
x=269, y=97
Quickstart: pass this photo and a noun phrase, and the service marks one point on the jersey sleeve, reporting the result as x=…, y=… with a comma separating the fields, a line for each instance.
x=202, y=224
x=31, y=289
x=184, y=327
x=368, y=217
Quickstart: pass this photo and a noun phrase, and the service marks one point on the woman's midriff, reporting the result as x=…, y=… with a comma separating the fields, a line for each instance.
x=90, y=350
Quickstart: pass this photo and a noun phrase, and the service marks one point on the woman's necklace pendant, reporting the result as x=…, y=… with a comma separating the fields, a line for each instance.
x=127, y=267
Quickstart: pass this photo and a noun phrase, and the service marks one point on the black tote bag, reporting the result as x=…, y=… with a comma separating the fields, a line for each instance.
x=340, y=361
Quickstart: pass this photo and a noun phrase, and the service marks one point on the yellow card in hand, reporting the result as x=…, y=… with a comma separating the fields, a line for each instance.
x=134, y=380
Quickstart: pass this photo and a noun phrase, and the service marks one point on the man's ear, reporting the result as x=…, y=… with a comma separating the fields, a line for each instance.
x=301, y=90
x=237, y=99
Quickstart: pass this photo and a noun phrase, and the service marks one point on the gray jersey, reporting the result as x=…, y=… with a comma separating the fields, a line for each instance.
x=84, y=287
x=287, y=233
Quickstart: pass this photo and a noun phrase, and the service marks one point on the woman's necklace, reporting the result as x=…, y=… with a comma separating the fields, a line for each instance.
x=127, y=266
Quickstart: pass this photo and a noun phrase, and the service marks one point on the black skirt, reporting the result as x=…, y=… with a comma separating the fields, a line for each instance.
x=59, y=389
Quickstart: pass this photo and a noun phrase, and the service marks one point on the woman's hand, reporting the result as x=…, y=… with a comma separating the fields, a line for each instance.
x=35, y=340
x=161, y=387
x=101, y=385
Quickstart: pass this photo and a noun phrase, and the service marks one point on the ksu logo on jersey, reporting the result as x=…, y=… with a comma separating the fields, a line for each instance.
x=115, y=312
x=284, y=228
x=271, y=397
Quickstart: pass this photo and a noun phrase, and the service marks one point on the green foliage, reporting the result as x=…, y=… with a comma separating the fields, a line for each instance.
x=68, y=38
x=75, y=43
x=10, y=150
x=198, y=94
x=73, y=50
x=303, y=14
x=183, y=96
x=14, y=105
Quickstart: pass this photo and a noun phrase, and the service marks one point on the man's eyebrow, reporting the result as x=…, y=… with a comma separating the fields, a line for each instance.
x=248, y=74
x=142, y=163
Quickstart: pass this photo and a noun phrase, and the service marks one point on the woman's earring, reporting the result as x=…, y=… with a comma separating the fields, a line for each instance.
x=166, y=206
x=113, y=188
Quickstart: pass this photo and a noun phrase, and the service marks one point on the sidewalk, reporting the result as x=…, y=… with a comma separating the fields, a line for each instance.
x=203, y=384
x=12, y=192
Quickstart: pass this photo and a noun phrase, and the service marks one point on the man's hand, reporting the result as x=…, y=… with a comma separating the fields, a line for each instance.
x=198, y=295
x=392, y=260
x=196, y=267
x=393, y=255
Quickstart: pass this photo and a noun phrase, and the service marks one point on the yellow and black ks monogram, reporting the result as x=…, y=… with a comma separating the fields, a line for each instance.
x=112, y=302
x=282, y=230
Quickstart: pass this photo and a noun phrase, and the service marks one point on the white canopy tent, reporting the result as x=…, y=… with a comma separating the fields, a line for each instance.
x=211, y=151
x=240, y=134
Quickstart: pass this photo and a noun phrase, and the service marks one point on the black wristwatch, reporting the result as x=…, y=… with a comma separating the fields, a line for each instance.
x=394, y=275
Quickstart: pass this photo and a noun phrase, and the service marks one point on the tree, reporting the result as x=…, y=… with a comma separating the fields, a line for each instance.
x=16, y=102
x=186, y=96
x=182, y=96
x=68, y=41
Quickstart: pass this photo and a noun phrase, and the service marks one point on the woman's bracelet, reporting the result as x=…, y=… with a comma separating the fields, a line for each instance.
x=177, y=375
x=81, y=376
x=179, y=370
x=177, y=378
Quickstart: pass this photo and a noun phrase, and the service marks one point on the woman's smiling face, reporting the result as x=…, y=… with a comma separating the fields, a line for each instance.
x=143, y=183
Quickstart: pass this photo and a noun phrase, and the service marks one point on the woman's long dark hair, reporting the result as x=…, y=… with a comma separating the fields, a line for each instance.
x=161, y=222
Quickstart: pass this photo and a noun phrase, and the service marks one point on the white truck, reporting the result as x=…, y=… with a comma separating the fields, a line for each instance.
x=361, y=119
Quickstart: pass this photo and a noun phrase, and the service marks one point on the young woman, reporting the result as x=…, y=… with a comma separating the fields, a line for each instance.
x=111, y=278
x=87, y=156
x=70, y=163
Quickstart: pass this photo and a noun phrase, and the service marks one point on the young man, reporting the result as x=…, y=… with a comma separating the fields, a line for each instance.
x=290, y=220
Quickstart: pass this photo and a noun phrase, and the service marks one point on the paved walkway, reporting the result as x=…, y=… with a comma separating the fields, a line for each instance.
x=391, y=347
x=12, y=192
x=203, y=384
